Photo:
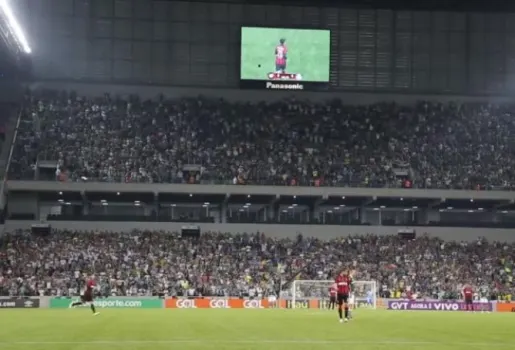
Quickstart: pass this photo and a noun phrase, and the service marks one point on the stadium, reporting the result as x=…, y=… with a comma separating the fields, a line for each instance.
x=256, y=174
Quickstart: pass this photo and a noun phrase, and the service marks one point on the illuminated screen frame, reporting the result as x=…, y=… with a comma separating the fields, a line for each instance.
x=275, y=77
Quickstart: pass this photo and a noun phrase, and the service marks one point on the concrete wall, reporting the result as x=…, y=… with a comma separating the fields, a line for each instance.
x=323, y=232
x=23, y=203
x=351, y=98
x=10, y=91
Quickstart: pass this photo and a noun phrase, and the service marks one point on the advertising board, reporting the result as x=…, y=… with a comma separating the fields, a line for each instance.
x=237, y=303
x=112, y=302
x=19, y=303
x=215, y=303
x=432, y=305
x=505, y=307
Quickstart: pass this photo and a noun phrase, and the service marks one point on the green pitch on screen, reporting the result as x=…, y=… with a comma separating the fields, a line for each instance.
x=308, y=52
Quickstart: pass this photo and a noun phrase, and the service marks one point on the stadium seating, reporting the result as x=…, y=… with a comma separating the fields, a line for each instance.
x=296, y=143
x=146, y=263
x=429, y=145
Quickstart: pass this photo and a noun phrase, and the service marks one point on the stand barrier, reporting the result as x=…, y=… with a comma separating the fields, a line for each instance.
x=246, y=303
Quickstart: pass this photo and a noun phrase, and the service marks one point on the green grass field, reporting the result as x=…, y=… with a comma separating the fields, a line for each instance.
x=77, y=329
x=308, y=53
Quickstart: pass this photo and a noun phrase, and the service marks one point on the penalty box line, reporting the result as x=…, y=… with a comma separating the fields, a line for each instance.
x=256, y=341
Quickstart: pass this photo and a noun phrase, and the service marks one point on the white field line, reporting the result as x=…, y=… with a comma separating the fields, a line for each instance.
x=256, y=341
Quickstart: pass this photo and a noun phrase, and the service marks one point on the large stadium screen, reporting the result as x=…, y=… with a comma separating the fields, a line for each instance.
x=283, y=58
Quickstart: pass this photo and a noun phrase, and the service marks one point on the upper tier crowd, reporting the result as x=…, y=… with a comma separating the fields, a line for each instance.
x=292, y=142
x=150, y=263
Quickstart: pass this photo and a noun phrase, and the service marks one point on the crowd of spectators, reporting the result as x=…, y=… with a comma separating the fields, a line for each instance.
x=150, y=263
x=293, y=142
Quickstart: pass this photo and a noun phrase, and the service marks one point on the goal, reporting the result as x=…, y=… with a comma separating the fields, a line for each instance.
x=364, y=292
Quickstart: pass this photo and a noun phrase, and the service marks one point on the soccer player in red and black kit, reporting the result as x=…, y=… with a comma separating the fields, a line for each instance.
x=87, y=296
x=281, y=52
x=468, y=295
x=333, y=291
x=343, y=283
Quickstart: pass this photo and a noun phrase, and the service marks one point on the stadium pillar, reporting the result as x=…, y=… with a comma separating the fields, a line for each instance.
x=362, y=215
x=314, y=207
x=85, y=204
x=156, y=208
x=223, y=213
x=423, y=217
x=272, y=209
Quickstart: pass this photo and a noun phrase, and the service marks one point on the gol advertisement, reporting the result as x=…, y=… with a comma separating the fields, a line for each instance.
x=505, y=307
x=229, y=303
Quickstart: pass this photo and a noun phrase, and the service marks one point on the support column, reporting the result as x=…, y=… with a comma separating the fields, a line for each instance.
x=85, y=203
x=156, y=208
x=362, y=215
x=272, y=209
x=222, y=218
x=315, y=206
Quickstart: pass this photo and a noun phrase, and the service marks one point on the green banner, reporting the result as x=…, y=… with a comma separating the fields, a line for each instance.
x=112, y=303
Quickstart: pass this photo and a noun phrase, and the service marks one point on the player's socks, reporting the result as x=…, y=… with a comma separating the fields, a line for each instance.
x=77, y=303
x=340, y=312
x=346, y=312
x=93, y=308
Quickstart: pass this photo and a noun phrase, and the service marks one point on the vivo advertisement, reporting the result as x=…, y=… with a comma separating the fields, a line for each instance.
x=424, y=305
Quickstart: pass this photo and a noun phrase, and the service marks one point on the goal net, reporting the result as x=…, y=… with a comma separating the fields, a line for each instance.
x=363, y=293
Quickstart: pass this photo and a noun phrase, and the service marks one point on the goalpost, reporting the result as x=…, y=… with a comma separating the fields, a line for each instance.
x=364, y=292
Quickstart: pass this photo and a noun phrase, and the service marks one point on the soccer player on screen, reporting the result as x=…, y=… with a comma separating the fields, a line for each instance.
x=281, y=55
x=468, y=296
x=343, y=282
x=86, y=297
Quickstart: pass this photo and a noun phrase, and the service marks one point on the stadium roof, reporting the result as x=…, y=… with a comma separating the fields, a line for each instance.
x=434, y=5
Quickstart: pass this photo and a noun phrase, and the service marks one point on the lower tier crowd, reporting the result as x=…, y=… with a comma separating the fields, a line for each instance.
x=155, y=263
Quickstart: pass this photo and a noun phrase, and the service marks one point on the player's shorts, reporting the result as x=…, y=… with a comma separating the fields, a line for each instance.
x=86, y=298
x=332, y=299
x=279, y=67
x=343, y=298
x=272, y=299
x=469, y=301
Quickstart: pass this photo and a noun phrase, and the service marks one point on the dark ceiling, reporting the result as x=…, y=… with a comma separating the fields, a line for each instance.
x=432, y=5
